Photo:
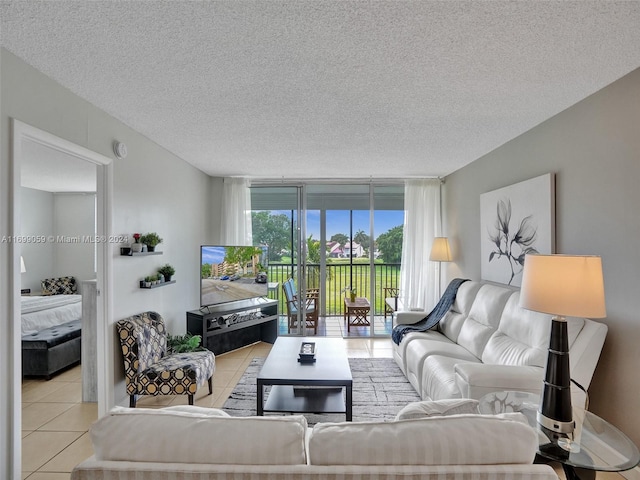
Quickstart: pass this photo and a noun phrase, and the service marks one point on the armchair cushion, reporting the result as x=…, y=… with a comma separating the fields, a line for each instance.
x=177, y=374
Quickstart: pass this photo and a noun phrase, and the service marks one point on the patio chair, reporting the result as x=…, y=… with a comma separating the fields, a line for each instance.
x=311, y=306
x=391, y=295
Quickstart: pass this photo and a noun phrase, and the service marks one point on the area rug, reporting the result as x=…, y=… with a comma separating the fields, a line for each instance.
x=380, y=390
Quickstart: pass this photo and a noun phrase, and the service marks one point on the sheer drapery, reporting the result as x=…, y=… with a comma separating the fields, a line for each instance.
x=419, y=276
x=236, y=212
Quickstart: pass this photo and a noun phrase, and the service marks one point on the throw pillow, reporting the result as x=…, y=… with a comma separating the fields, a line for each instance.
x=438, y=408
x=59, y=286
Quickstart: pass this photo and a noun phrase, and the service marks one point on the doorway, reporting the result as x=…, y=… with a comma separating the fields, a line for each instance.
x=24, y=139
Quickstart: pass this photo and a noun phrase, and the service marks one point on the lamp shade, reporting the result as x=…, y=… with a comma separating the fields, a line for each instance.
x=566, y=285
x=22, y=268
x=440, y=251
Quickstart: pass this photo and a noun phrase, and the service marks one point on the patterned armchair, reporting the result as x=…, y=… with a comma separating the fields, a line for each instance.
x=149, y=370
x=311, y=306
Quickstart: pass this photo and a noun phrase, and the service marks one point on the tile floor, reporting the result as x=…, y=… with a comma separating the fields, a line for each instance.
x=55, y=421
x=335, y=326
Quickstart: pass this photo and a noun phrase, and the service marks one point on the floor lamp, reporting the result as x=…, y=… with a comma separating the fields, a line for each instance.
x=563, y=286
x=440, y=252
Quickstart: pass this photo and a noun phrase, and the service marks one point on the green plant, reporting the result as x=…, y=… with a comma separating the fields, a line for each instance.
x=150, y=239
x=184, y=343
x=166, y=270
x=148, y=278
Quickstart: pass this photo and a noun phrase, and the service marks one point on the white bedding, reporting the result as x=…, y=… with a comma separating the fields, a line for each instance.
x=43, y=312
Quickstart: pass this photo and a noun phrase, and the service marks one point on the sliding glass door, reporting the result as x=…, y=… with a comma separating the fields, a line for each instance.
x=279, y=225
x=326, y=237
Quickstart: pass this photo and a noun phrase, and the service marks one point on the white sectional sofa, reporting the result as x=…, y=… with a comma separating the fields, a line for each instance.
x=486, y=342
x=189, y=443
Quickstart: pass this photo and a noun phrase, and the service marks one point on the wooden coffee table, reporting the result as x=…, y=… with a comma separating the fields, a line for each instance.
x=306, y=387
x=356, y=311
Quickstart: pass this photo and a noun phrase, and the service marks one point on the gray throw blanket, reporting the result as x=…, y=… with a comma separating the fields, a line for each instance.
x=434, y=316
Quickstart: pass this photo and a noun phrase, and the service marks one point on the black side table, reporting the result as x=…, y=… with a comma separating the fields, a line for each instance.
x=597, y=445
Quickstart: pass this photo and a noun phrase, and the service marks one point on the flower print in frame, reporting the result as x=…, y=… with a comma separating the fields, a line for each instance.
x=516, y=220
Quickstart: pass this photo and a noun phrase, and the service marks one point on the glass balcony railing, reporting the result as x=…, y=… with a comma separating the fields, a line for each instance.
x=340, y=278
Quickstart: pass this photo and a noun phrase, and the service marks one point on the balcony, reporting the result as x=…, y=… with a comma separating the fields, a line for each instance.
x=339, y=278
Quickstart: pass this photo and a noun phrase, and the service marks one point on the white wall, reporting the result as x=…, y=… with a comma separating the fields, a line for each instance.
x=153, y=191
x=594, y=150
x=74, y=218
x=57, y=215
x=37, y=221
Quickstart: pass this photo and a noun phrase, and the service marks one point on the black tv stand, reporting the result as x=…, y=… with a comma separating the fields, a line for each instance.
x=236, y=324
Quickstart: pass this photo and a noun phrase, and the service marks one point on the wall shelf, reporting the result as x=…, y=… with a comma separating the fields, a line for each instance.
x=139, y=254
x=157, y=285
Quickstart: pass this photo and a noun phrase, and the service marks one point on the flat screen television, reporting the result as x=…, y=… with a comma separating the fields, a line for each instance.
x=230, y=273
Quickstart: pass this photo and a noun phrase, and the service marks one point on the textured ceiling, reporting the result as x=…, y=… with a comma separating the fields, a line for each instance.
x=328, y=89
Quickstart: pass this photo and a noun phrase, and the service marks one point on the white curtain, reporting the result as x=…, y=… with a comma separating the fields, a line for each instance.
x=236, y=212
x=418, y=276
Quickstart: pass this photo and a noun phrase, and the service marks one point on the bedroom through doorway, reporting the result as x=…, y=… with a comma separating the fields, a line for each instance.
x=58, y=203
x=68, y=219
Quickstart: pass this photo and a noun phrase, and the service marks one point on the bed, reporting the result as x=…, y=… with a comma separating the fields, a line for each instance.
x=51, y=333
x=40, y=312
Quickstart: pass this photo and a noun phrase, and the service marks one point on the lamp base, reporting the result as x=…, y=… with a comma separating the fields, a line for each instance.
x=555, y=412
x=554, y=425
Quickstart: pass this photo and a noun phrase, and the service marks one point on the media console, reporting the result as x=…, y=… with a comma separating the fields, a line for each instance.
x=236, y=324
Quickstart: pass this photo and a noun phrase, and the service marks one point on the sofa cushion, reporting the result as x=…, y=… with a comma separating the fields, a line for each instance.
x=418, y=350
x=438, y=379
x=483, y=318
x=170, y=435
x=439, y=408
x=452, y=322
x=522, y=337
x=196, y=410
x=453, y=440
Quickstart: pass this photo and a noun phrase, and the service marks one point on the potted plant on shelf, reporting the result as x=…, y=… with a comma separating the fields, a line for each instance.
x=167, y=271
x=147, y=281
x=151, y=240
x=136, y=246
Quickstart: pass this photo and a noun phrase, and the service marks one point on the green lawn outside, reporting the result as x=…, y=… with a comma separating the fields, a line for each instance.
x=340, y=278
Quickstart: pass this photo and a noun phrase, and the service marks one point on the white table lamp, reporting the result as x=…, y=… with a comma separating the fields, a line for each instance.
x=440, y=252
x=563, y=286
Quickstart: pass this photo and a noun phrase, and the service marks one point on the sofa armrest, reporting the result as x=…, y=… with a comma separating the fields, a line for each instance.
x=477, y=379
x=408, y=317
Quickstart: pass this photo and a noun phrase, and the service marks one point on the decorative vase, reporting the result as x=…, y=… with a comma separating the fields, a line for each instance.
x=167, y=278
x=136, y=247
x=353, y=297
x=151, y=248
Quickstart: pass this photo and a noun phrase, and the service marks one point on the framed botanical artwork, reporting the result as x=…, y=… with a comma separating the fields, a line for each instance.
x=514, y=221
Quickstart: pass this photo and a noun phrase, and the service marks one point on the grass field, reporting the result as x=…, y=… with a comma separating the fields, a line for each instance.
x=341, y=277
